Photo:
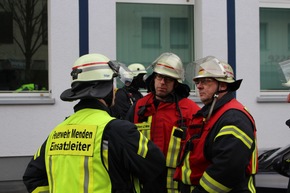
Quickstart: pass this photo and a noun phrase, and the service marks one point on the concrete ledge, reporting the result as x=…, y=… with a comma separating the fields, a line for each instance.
x=13, y=168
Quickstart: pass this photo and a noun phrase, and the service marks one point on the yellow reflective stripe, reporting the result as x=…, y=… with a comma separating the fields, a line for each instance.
x=251, y=185
x=254, y=159
x=41, y=189
x=210, y=185
x=145, y=127
x=235, y=131
x=171, y=185
x=186, y=170
x=137, y=185
x=37, y=154
x=143, y=148
x=173, y=149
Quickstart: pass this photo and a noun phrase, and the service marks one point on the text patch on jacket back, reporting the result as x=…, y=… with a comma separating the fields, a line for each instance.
x=72, y=140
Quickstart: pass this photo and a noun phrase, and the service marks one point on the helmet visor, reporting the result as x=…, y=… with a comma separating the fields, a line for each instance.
x=209, y=67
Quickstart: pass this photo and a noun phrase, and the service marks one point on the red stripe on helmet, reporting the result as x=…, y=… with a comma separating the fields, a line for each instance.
x=89, y=64
x=166, y=66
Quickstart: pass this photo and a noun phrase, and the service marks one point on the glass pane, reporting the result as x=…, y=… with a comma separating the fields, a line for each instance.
x=150, y=32
x=274, y=47
x=23, y=46
x=179, y=33
x=144, y=31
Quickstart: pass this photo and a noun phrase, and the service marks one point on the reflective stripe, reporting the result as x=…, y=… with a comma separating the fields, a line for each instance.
x=235, y=131
x=172, y=186
x=173, y=149
x=50, y=174
x=145, y=127
x=186, y=171
x=86, y=174
x=41, y=189
x=210, y=185
x=137, y=185
x=36, y=155
x=254, y=160
x=143, y=148
x=105, y=153
x=251, y=185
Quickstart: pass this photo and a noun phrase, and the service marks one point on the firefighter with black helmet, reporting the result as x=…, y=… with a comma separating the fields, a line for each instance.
x=164, y=113
x=220, y=153
x=88, y=152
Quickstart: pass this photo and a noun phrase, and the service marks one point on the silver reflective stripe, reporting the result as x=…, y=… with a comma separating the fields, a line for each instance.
x=105, y=144
x=86, y=174
x=96, y=67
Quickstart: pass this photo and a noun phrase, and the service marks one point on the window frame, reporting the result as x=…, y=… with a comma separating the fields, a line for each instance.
x=41, y=97
x=273, y=96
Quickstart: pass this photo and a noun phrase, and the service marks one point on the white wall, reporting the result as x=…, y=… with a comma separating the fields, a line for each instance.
x=211, y=39
x=25, y=127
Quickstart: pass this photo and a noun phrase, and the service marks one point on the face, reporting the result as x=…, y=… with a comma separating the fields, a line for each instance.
x=163, y=85
x=207, y=87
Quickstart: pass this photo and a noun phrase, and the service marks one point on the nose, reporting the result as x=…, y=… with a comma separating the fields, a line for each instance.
x=162, y=80
x=199, y=85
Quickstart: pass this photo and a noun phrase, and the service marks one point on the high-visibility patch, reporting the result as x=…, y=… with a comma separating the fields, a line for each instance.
x=72, y=140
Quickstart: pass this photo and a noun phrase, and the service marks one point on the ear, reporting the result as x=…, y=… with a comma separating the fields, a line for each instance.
x=223, y=86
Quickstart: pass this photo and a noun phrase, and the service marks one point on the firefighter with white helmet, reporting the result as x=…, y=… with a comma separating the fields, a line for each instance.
x=164, y=113
x=220, y=154
x=126, y=96
x=98, y=153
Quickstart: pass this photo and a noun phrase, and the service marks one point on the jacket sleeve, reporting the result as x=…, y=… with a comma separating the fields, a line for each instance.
x=35, y=173
x=130, y=113
x=141, y=157
x=229, y=146
x=121, y=106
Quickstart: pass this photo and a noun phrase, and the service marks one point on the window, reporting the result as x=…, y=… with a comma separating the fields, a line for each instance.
x=6, y=30
x=23, y=50
x=144, y=31
x=150, y=32
x=179, y=33
x=263, y=36
x=274, y=47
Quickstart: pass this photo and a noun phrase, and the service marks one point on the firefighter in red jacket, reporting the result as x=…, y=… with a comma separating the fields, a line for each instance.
x=91, y=151
x=164, y=113
x=220, y=154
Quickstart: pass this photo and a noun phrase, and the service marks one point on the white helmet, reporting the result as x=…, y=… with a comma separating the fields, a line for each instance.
x=169, y=64
x=92, y=77
x=137, y=69
x=93, y=67
x=211, y=67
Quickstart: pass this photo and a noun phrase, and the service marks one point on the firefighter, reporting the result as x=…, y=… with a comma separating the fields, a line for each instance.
x=88, y=152
x=129, y=93
x=220, y=154
x=164, y=113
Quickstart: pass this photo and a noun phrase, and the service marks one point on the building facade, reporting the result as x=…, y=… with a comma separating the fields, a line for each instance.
x=240, y=32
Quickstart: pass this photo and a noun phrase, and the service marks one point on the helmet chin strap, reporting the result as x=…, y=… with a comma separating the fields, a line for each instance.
x=215, y=97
